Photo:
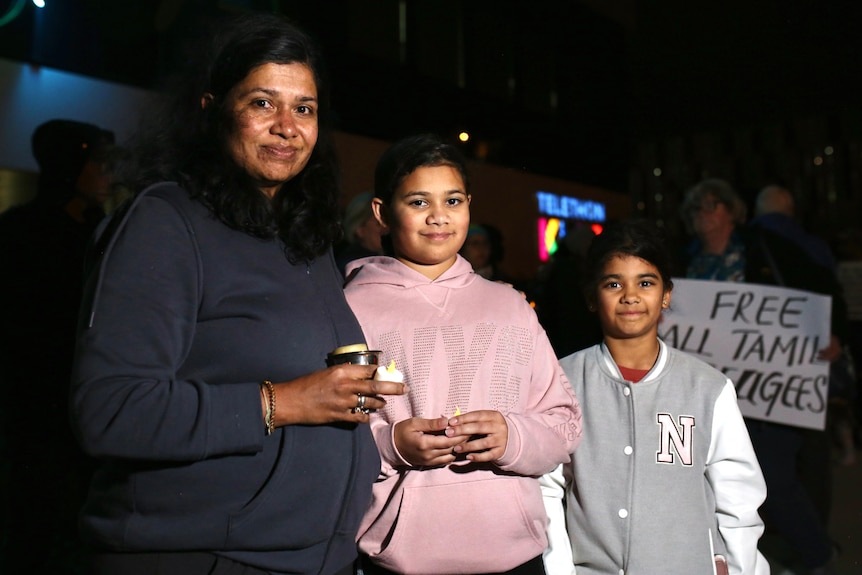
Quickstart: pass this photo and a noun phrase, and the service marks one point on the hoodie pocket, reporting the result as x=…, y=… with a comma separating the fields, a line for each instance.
x=468, y=527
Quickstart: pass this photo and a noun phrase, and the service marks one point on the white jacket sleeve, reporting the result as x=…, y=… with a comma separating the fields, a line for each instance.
x=558, y=555
x=734, y=473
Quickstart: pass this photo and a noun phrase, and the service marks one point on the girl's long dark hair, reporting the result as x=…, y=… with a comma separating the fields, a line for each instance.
x=184, y=141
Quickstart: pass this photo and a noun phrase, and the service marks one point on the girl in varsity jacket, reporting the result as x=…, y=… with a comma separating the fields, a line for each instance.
x=665, y=480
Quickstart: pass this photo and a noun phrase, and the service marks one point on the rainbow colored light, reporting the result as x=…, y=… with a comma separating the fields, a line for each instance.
x=549, y=230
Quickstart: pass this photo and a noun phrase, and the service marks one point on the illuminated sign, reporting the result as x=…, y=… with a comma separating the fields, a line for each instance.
x=552, y=229
x=549, y=231
x=568, y=208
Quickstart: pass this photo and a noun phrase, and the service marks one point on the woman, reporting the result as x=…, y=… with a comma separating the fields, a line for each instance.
x=200, y=377
x=724, y=249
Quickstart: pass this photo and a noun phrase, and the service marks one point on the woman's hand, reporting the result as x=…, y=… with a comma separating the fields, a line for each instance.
x=485, y=435
x=331, y=395
x=423, y=442
x=832, y=352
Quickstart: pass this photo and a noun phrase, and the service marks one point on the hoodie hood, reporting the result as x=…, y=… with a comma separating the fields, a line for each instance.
x=389, y=271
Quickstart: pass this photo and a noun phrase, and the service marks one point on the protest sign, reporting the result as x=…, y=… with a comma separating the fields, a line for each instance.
x=764, y=338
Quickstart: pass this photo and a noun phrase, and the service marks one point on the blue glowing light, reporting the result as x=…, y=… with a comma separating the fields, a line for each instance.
x=570, y=208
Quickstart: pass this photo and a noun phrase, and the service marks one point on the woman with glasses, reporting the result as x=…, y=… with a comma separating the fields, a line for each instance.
x=725, y=248
x=712, y=211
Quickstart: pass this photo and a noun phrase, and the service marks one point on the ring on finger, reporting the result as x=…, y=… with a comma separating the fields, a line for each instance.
x=360, y=404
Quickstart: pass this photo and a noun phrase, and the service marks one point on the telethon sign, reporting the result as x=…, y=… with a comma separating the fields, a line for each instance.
x=764, y=338
x=568, y=208
x=556, y=216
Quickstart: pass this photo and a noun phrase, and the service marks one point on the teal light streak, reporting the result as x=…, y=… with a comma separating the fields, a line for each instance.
x=12, y=12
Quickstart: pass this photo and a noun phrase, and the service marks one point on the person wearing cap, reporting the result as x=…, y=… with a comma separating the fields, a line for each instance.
x=362, y=233
x=479, y=250
x=42, y=247
x=75, y=161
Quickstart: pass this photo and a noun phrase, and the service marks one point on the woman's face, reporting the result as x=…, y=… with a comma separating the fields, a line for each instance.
x=274, y=113
x=427, y=219
x=712, y=217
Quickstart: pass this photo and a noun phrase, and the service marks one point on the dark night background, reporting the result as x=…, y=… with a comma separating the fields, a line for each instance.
x=644, y=98
x=569, y=89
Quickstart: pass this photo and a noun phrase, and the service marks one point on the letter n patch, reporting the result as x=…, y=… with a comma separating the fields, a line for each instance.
x=679, y=435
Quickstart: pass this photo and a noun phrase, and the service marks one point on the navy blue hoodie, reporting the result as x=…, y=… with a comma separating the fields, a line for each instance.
x=182, y=320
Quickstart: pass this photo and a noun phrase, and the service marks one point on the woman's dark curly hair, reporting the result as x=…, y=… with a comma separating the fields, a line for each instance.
x=186, y=142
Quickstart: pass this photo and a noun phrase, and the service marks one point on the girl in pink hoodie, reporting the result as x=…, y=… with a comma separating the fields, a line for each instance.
x=489, y=409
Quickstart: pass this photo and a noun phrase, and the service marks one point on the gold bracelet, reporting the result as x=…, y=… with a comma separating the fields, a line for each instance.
x=269, y=420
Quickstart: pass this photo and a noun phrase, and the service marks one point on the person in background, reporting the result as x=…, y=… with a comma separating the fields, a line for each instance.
x=724, y=248
x=775, y=210
x=558, y=291
x=489, y=409
x=479, y=250
x=848, y=252
x=666, y=479
x=361, y=232
x=42, y=246
x=225, y=443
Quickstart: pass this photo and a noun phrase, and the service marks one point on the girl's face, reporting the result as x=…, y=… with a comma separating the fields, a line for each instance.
x=427, y=219
x=630, y=297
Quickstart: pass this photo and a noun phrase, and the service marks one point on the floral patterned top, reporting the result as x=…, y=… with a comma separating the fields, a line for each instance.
x=728, y=266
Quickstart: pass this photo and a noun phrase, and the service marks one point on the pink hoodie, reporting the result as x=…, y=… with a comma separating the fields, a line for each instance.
x=462, y=342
